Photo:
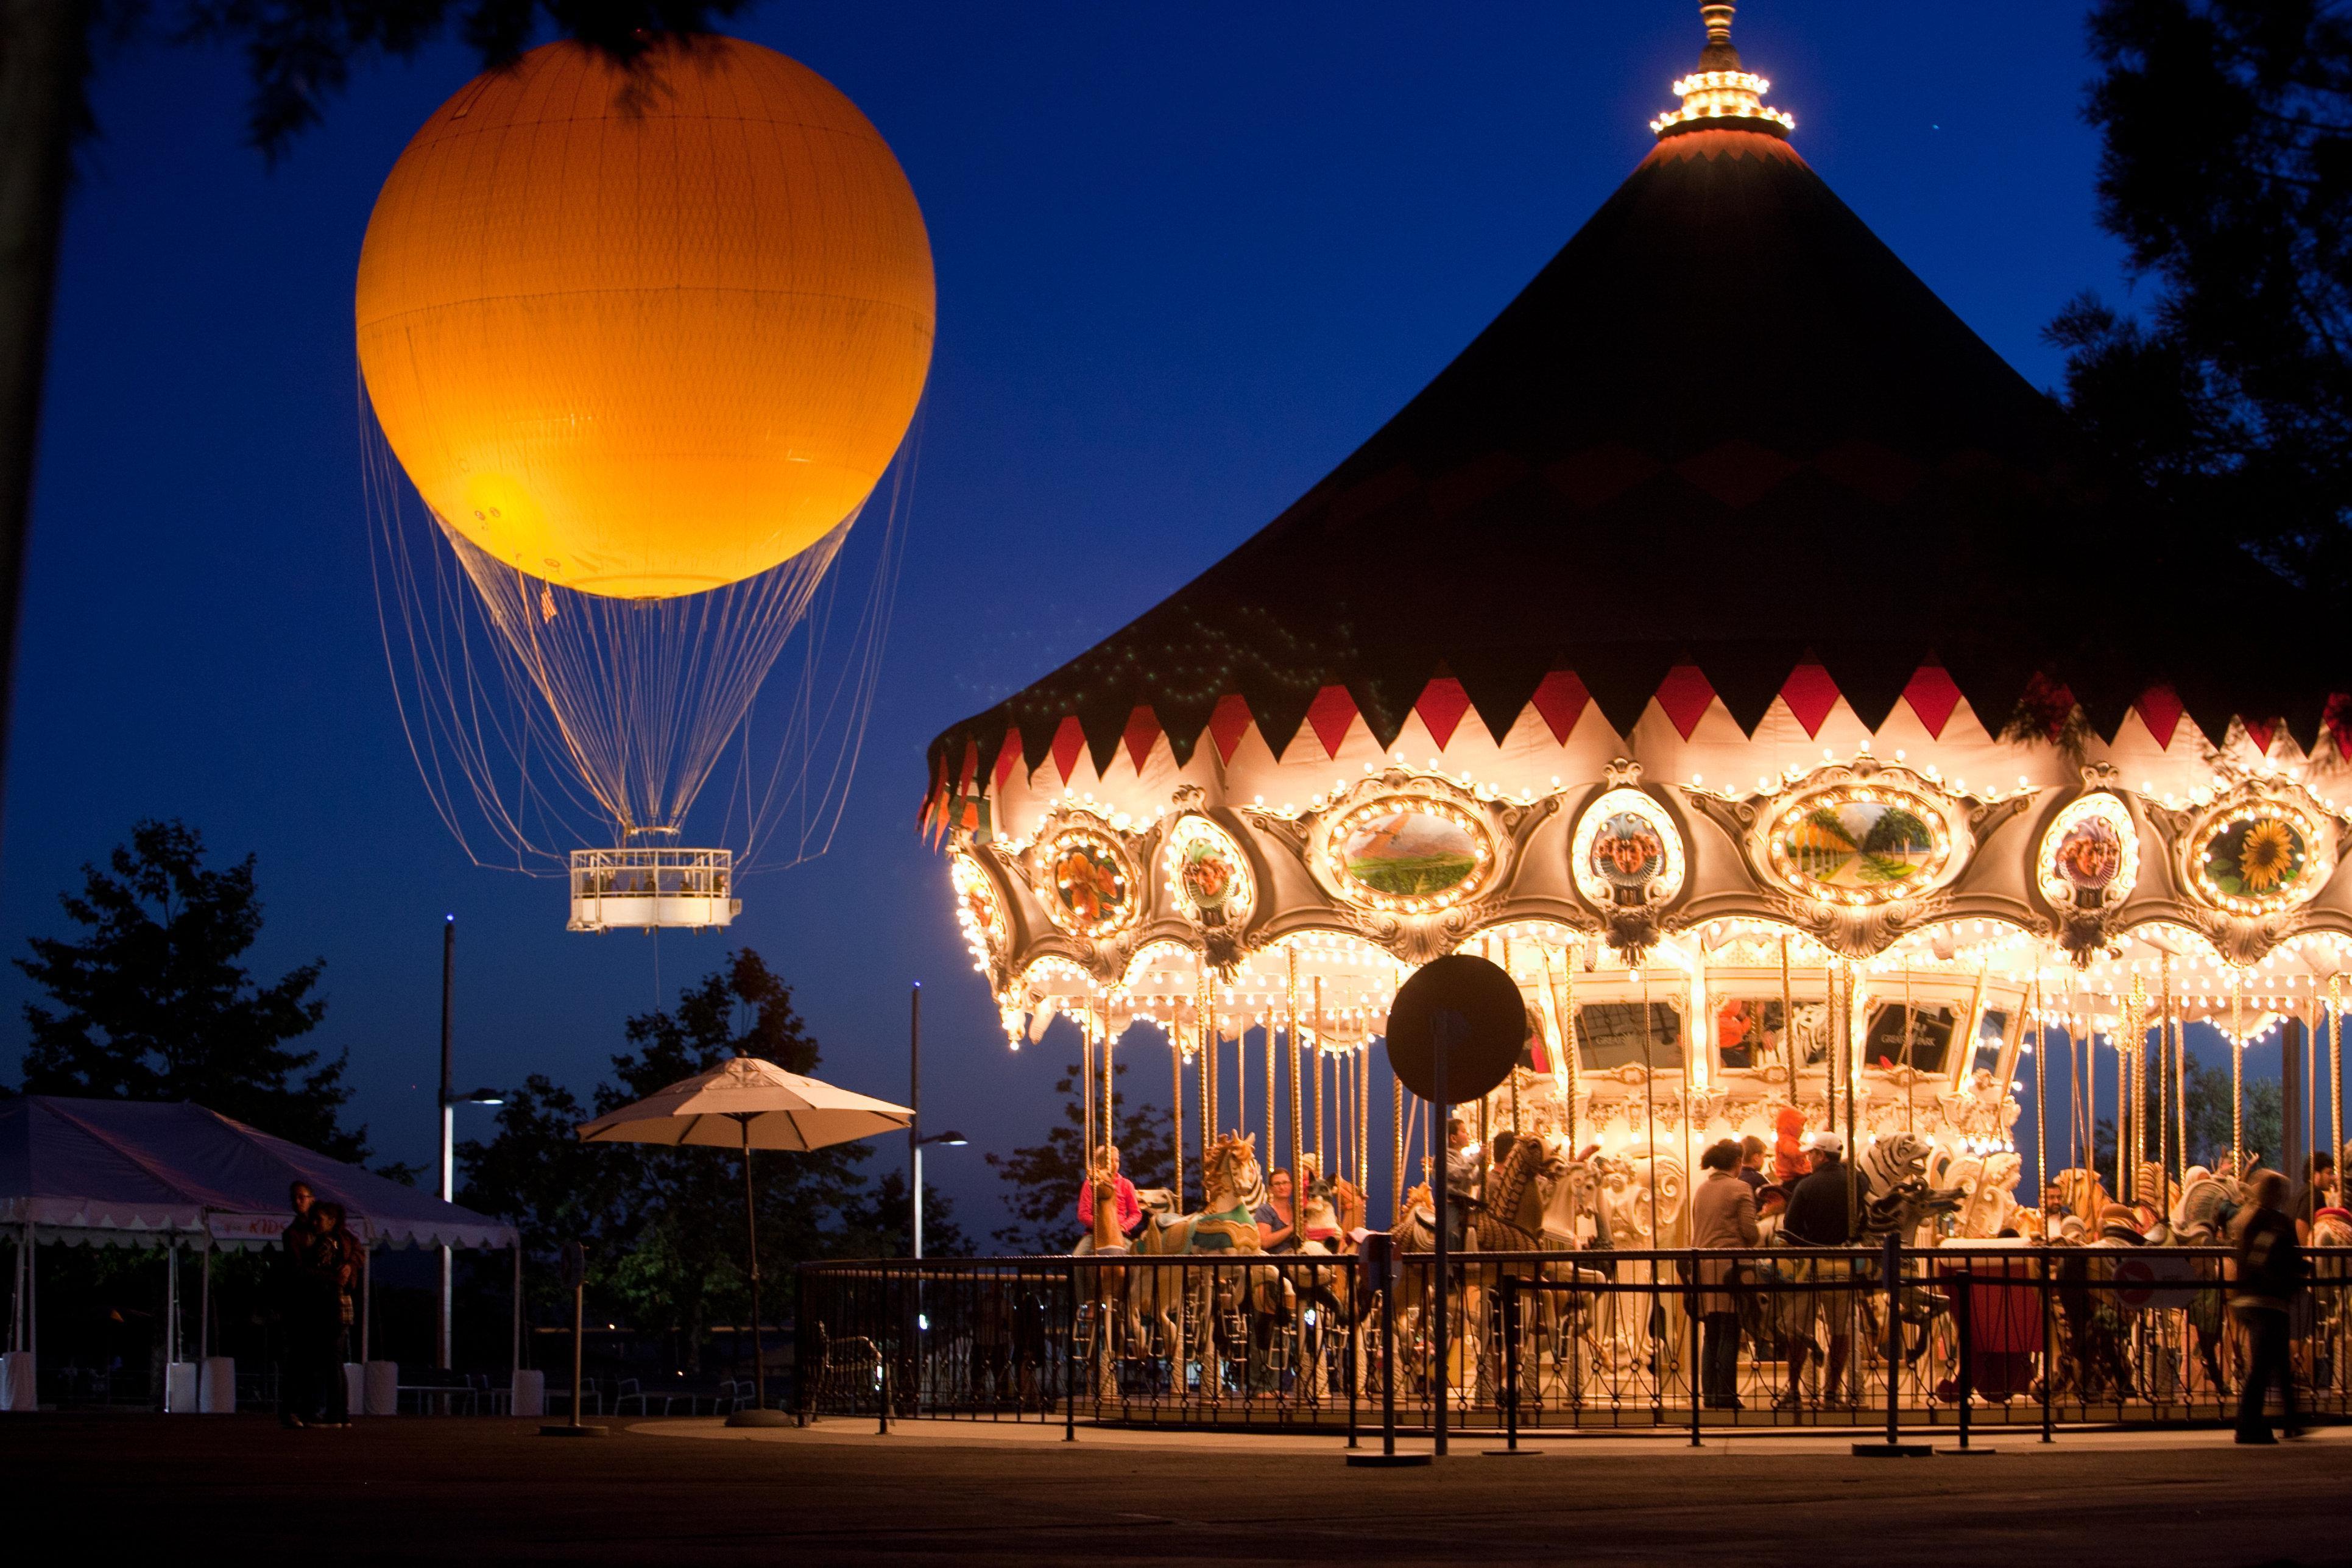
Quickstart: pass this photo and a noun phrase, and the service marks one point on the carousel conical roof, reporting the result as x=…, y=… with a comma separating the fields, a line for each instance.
x=1725, y=429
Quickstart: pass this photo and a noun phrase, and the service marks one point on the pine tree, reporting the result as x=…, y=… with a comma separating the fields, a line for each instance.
x=1044, y=1176
x=153, y=1001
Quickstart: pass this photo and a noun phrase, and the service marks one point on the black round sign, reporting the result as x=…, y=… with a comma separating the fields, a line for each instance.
x=1472, y=1010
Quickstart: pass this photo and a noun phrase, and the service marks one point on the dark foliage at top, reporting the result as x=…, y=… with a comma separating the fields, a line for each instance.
x=2227, y=172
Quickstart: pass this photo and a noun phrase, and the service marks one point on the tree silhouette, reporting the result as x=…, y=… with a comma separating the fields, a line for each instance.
x=154, y=1002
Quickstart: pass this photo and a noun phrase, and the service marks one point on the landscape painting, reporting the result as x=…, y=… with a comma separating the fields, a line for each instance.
x=1409, y=854
x=1864, y=845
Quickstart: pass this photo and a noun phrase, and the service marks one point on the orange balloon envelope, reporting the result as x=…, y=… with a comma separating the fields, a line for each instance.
x=642, y=334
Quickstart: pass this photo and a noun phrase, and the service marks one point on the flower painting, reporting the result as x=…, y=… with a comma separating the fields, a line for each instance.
x=1408, y=854
x=2261, y=856
x=1089, y=884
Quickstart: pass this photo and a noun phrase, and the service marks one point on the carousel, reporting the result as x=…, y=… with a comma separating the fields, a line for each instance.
x=1731, y=647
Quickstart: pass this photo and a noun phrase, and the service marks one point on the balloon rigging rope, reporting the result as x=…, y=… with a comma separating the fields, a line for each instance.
x=617, y=710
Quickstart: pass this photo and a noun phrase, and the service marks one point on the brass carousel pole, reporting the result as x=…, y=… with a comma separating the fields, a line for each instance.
x=2181, y=1079
x=1176, y=1100
x=1852, y=1093
x=1271, y=1091
x=1085, y=1022
x=1829, y=1047
x=2041, y=1106
x=2164, y=1082
x=1205, y=1065
x=1315, y=1057
x=1109, y=1119
x=1290, y=997
x=1788, y=1021
x=1396, y=1129
x=2237, y=1080
x=1515, y=1067
x=2336, y=1077
x=1364, y=1113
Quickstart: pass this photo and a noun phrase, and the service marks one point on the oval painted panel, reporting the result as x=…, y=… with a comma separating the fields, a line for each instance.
x=1408, y=854
x=1091, y=892
x=2263, y=857
x=1862, y=846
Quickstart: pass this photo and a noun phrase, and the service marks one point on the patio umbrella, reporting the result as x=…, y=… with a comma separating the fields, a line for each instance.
x=745, y=1104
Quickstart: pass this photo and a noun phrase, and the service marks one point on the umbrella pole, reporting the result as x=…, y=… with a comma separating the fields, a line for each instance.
x=752, y=1239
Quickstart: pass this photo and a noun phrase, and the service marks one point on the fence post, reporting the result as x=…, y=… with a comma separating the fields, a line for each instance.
x=1696, y=1341
x=1511, y=1363
x=1069, y=1352
x=1965, y=1316
x=1893, y=1334
x=2049, y=1352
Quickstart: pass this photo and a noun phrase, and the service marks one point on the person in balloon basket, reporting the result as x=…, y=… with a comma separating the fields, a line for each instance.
x=2266, y=1277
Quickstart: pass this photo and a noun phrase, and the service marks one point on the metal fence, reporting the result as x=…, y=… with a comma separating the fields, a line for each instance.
x=1757, y=1338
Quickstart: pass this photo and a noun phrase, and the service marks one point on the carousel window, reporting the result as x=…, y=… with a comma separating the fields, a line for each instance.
x=1748, y=1030
x=1609, y=1035
x=1929, y=1046
x=1991, y=1034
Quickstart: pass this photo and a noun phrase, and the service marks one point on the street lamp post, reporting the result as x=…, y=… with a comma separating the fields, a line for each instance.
x=450, y=1100
x=915, y=1139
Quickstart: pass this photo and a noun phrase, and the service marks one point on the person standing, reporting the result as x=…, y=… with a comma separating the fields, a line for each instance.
x=338, y=1266
x=297, y=1365
x=1723, y=1215
x=2268, y=1275
x=1819, y=1214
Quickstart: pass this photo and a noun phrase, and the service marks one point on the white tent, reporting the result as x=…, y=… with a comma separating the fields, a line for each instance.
x=112, y=1173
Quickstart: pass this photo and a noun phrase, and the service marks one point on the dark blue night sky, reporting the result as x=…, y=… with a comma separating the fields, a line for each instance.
x=1188, y=258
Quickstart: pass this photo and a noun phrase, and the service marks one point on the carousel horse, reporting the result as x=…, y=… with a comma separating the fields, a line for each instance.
x=1896, y=1198
x=1330, y=1214
x=2200, y=1217
x=1226, y=1225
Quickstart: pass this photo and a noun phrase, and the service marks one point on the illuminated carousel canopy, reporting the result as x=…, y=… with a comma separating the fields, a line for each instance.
x=1726, y=443
x=1726, y=645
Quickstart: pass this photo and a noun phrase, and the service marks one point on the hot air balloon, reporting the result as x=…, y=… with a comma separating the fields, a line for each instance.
x=644, y=341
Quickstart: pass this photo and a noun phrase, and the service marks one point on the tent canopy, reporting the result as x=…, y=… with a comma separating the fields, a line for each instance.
x=124, y=1173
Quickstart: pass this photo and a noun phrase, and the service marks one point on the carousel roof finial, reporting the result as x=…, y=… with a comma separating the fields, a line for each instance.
x=1719, y=95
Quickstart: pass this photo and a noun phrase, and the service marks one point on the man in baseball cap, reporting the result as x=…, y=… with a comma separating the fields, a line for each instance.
x=1819, y=1215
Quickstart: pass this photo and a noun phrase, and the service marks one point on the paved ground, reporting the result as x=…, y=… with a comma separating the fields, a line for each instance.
x=692, y=1492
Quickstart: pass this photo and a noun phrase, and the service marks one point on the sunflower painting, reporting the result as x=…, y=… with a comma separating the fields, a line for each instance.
x=2258, y=859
